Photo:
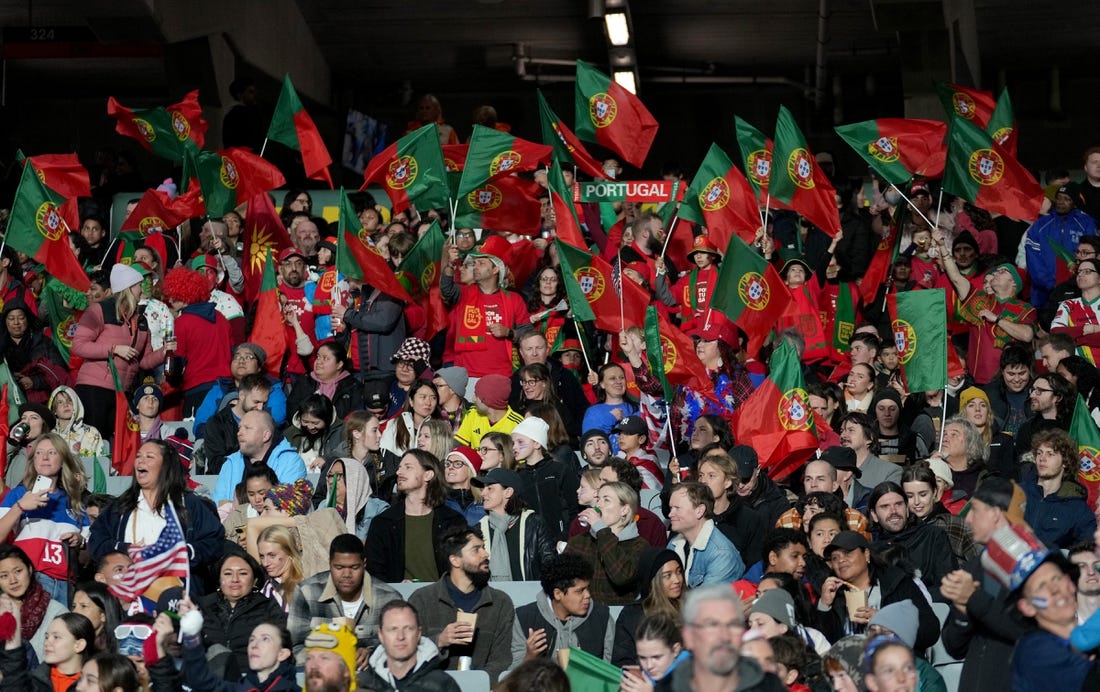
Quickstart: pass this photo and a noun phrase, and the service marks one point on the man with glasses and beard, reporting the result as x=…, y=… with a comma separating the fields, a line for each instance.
x=461, y=613
x=713, y=626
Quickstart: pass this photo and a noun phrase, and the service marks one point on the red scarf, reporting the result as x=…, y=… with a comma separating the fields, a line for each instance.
x=33, y=610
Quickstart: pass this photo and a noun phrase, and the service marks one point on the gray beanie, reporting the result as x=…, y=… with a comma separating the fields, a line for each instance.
x=456, y=378
x=778, y=604
x=900, y=618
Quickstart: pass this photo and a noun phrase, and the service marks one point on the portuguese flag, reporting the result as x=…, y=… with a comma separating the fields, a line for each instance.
x=1083, y=430
x=357, y=258
x=720, y=198
x=63, y=174
x=972, y=105
x=612, y=116
x=671, y=355
x=411, y=171
x=899, y=148
x=163, y=131
x=567, y=147
x=494, y=155
x=749, y=292
x=918, y=320
x=64, y=305
x=508, y=204
x=987, y=176
x=264, y=235
x=756, y=157
x=1063, y=260
x=1002, y=124
x=268, y=327
x=777, y=416
x=454, y=157
x=157, y=212
x=230, y=177
x=799, y=181
x=292, y=126
x=590, y=288
x=567, y=225
x=419, y=270
x=37, y=229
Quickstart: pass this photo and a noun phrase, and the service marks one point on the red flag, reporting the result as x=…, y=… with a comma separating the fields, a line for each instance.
x=681, y=365
x=566, y=225
x=357, y=258
x=798, y=181
x=157, y=212
x=63, y=174
x=749, y=292
x=974, y=105
x=292, y=126
x=127, y=438
x=268, y=327
x=566, y=145
x=454, y=157
x=163, y=131
x=508, y=204
x=608, y=114
x=879, y=267
x=264, y=236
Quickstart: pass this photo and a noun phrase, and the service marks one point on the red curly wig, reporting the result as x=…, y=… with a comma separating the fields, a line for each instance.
x=185, y=285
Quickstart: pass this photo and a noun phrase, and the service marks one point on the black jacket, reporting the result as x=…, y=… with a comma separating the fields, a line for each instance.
x=570, y=394
x=197, y=675
x=348, y=396
x=220, y=439
x=385, y=544
x=745, y=528
x=231, y=627
x=427, y=678
x=922, y=547
x=768, y=499
x=16, y=677
x=896, y=586
x=550, y=488
x=536, y=546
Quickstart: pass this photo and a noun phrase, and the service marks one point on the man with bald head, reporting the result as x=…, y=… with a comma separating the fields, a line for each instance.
x=260, y=443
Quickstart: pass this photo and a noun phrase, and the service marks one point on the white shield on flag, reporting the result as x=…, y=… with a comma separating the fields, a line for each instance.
x=763, y=168
x=986, y=165
x=587, y=283
x=804, y=168
x=755, y=290
x=601, y=109
x=484, y=196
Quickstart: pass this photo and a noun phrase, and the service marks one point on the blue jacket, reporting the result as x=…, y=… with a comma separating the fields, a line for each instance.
x=1041, y=657
x=283, y=459
x=1039, y=255
x=1059, y=520
x=276, y=403
x=712, y=560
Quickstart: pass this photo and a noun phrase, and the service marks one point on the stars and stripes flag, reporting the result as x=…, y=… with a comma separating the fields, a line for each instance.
x=168, y=557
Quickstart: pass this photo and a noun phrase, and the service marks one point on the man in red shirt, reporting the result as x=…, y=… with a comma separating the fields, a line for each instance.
x=484, y=315
x=296, y=297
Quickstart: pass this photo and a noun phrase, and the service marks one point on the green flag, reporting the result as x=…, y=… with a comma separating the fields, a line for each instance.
x=918, y=320
x=749, y=292
x=1002, y=124
x=844, y=319
x=574, y=263
x=15, y=394
x=654, y=353
x=591, y=673
x=411, y=171
x=61, y=303
x=756, y=155
x=37, y=229
x=1084, y=431
x=494, y=154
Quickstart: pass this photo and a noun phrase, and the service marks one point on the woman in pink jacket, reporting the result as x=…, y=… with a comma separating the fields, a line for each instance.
x=112, y=329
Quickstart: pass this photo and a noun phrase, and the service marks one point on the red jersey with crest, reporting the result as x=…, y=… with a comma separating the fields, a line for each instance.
x=472, y=344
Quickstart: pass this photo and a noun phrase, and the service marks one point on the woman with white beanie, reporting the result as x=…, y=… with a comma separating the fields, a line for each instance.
x=549, y=486
x=113, y=330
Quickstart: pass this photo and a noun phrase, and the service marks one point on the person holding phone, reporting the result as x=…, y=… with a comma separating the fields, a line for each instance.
x=50, y=498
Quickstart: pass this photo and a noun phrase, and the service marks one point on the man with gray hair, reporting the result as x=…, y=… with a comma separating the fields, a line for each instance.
x=713, y=626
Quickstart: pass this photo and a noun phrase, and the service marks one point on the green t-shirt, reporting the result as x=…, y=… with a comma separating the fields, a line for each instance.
x=419, y=551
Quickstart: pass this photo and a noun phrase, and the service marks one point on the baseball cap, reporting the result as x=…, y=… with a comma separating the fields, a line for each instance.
x=842, y=459
x=746, y=460
x=847, y=540
x=289, y=252
x=503, y=477
x=631, y=425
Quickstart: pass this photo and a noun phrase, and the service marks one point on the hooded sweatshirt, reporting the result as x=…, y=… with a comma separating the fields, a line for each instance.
x=425, y=674
x=202, y=338
x=84, y=440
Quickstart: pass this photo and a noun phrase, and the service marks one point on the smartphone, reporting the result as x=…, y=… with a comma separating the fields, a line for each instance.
x=868, y=193
x=42, y=483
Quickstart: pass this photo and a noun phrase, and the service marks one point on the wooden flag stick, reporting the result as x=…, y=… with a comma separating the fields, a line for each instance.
x=584, y=351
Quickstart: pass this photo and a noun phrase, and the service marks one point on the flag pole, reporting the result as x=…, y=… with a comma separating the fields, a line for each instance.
x=584, y=351
x=263, y=148
x=943, y=414
x=669, y=230
x=767, y=205
x=939, y=205
x=910, y=203
x=622, y=278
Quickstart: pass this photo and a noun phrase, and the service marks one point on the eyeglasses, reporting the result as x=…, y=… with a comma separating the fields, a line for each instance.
x=453, y=464
x=1087, y=271
x=1041, y=389
x=486, y=450
x=532, y=382
x=245, y=356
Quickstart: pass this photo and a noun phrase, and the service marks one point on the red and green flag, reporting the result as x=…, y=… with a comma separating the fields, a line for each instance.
x=230, y=177
x=567, y=148
x=671, y=355
x=609, y=115
x=749, y=292
x=777, y=417
x=268, y=327
x=37, y=229
x=264, y=236
x=1085, y=433
x=127, y=432
x=590, y=288
x=508, y=204
x=720, y=198
x=1002, y=124
x=454, y=160
x=292, y=127
x=64, y=305
x=156, y=212
x=987, y=176
x=419, y=269
x=798, y=180
x=167, y=132
x=756, y=156
x=411, y=171
x=494, y=155
x=357, y=258
x=899, y=148
x=1063, y=261
x=972, y=105
x=63, y=174
x=918, y=320
x=567, y=225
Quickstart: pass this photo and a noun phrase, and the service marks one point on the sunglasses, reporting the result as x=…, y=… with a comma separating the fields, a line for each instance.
x=138, y=631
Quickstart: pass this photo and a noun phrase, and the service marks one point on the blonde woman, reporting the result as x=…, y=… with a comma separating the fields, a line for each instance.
x=281, y=558
x=435, y=436
x=612, y=544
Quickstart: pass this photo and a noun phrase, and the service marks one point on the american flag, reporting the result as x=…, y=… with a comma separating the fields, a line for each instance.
x=168, y=557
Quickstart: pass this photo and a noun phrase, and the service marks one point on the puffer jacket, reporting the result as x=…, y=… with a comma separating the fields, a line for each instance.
x=232, y=626
x=550, y=488
x=97, y=333
x=16, y=677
